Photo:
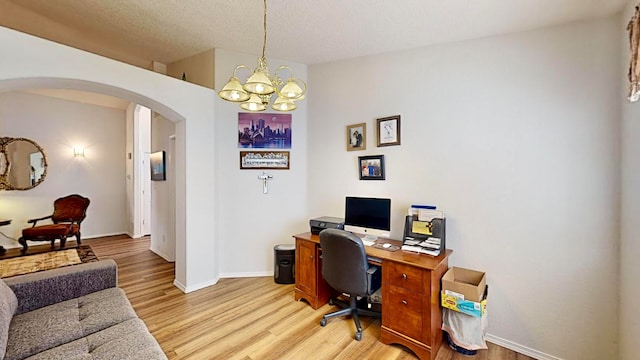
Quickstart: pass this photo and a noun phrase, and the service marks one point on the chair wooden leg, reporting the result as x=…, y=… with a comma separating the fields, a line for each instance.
x=63, y=241
x=78, y=238
x=23, y=242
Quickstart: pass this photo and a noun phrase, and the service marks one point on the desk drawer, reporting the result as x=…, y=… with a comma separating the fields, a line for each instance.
x=406, y=315
x=408, y=277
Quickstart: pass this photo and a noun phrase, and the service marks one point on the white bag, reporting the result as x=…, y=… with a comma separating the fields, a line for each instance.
x=465, y=330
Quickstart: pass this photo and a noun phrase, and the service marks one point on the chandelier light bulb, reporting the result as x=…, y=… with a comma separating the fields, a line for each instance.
x=233, y=91
x=253, y=104
x=291, y=90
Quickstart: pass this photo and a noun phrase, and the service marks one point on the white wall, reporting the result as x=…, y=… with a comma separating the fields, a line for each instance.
x=516, y=139
x=630, y=195
x=163, y=192
x=190, y=106
x=250, y=223
x=58, y=126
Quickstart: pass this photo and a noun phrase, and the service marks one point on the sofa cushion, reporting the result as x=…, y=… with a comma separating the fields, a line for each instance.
x=8, y=306
x=129, y=340
x=45, y=328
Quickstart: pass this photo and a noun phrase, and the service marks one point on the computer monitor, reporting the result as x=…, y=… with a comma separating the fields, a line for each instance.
x=370, y=216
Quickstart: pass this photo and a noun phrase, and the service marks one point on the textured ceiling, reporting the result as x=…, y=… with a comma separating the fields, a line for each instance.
x=304, y=31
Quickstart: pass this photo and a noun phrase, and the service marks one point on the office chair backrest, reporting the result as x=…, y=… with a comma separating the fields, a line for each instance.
x=344, y=261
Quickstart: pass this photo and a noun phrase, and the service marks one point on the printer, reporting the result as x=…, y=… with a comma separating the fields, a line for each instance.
x=325, y=222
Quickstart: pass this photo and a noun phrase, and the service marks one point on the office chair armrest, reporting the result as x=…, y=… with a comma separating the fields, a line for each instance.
x=34, y=221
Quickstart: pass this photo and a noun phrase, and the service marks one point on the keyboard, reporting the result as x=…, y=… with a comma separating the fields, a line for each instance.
x=369, y=240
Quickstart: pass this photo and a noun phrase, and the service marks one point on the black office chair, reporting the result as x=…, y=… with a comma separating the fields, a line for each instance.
x=345, y=268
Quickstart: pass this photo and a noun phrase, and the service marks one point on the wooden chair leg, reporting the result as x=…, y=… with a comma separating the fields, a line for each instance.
x=63, y=241
x=78, y=238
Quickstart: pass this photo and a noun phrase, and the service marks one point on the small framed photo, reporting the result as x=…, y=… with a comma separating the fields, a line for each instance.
x=157, y=163
x=274, y=160
x=357, y=137
x=371, y=167
x=388, y=131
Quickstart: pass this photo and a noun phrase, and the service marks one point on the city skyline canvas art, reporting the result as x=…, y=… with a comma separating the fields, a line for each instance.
x=264, y=131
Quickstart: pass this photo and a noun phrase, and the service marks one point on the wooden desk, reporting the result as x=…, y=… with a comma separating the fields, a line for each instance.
x=411, y=313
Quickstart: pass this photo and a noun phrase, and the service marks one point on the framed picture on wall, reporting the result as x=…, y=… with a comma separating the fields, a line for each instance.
x=357, y=137
x=157, y=163
x=388, y=131
x=264, y=131
x=274, y=160
x=371, y=167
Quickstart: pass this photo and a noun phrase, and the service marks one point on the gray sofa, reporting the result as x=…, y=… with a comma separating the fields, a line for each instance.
x=71, y=313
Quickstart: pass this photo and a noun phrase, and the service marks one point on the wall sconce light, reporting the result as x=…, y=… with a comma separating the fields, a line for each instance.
x=78, y=152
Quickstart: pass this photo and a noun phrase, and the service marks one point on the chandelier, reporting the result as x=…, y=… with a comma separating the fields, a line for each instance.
x=256, y=93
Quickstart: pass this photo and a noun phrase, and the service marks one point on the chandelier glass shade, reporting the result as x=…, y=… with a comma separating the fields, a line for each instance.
x=258, y=89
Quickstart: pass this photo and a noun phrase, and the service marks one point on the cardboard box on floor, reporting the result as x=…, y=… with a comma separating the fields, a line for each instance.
x=463, y=290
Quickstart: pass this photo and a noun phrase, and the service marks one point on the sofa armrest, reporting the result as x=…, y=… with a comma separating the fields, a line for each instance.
x=49, y=287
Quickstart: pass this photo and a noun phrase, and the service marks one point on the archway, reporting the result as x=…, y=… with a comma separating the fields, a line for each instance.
x=32, y=62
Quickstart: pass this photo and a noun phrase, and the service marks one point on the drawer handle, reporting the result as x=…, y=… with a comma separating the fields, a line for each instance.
x=404, y=276
x=404, y=302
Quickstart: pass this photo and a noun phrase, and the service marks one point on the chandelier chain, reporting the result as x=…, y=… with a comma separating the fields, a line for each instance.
x=264, y=43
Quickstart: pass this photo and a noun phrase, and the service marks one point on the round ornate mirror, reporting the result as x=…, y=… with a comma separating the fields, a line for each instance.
x=23, y=164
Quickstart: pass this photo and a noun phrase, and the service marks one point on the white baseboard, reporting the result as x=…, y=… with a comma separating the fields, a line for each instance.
x=203, y=285
x=73, y=238
x=246, y=274
x=192, y=288
x=179, y=285
x=162, y=254
x=99, y=236
x=520, y=348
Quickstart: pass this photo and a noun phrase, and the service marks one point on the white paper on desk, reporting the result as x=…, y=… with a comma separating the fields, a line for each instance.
x=430, y=246
x=411, y=248
x=433, y=240
x=429, y=214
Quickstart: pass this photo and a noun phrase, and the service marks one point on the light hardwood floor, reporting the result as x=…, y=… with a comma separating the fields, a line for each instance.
x=244, y=318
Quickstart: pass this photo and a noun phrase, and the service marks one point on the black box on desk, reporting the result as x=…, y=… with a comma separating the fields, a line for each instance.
x=436, y=229
x=325, y=222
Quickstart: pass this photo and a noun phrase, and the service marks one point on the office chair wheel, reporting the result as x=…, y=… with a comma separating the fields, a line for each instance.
x=331, y=301
x=323, y=322
x=358, y=335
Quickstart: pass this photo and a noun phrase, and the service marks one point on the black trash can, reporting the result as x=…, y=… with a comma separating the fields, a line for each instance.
x=284, y=264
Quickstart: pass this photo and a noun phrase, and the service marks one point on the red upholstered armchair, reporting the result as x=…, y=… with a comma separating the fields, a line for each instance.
x=68, y=213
